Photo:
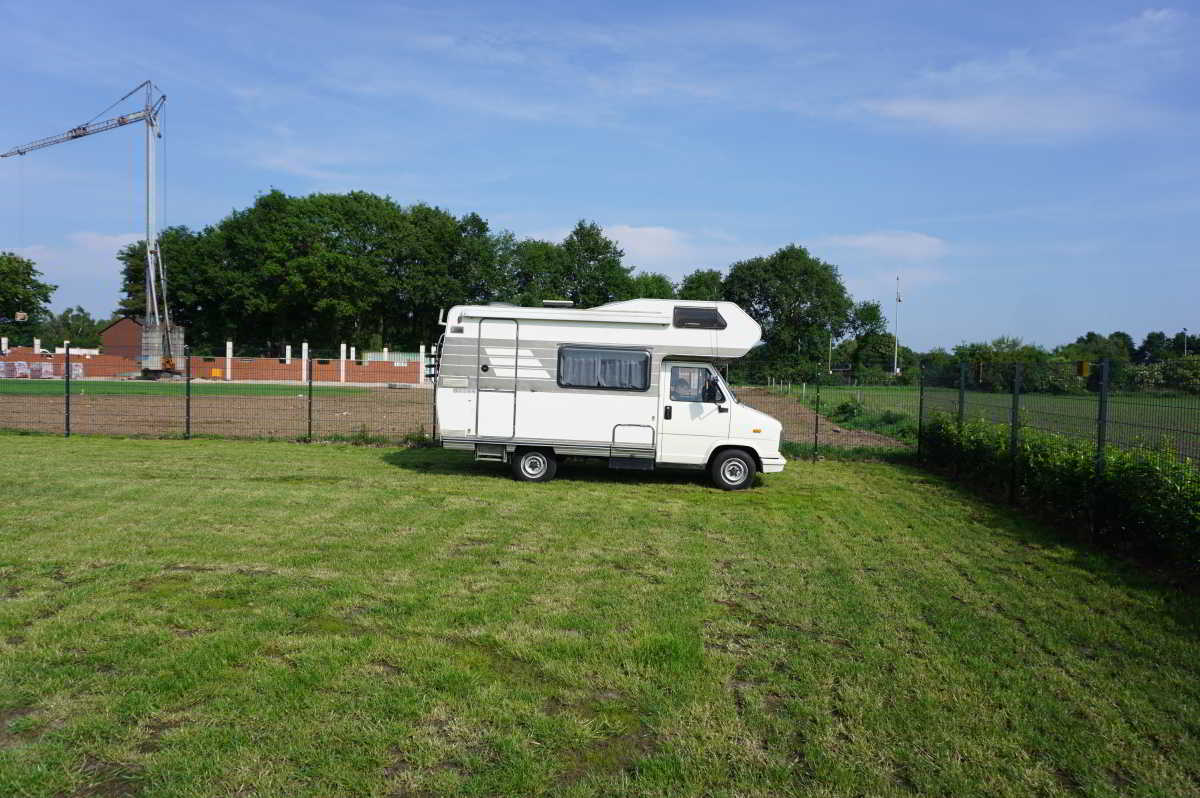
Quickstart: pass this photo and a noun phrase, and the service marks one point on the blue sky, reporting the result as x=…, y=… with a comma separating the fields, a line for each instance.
x=1028, y=169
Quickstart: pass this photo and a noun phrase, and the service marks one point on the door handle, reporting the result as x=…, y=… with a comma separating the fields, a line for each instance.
x=667, y=412
x=722, y=409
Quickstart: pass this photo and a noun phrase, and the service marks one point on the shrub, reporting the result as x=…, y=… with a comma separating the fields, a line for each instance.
x=848, y=410
x=1145, y=502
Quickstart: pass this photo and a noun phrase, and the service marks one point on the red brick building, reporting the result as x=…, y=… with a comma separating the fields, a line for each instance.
x=122, y=338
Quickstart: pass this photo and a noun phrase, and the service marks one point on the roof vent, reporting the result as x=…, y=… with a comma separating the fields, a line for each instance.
x=557, y=303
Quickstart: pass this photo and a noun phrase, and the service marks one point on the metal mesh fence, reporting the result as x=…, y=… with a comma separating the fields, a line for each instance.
x=1114, y=448
x=319, y=397
x=1152, y=409
x=839, y=413
x=1109, y=405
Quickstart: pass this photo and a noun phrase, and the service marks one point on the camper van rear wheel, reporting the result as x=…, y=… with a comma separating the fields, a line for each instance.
x=534, y=465
x=732, y=469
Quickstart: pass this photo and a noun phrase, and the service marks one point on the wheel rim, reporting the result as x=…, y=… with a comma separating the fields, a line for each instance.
x=534, y=465
x=734, y=471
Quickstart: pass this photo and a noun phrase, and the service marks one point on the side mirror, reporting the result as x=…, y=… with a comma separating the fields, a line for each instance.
x=712, y=391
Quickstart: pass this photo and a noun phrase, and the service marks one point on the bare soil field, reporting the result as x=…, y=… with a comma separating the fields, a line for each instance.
x=376, y=412
x=799, y=422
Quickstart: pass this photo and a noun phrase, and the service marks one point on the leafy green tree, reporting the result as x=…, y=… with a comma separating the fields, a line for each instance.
x=798, y=299
x=706, y=285
x=1183, y=373
x=541, y=271
x=1123, y=344
x=650, y=285
x=21, y=291
x=868, y=327
x=1184, y=343
x=593, y=261
x=1095, y=347
x=75, y=325
x=1155, y=348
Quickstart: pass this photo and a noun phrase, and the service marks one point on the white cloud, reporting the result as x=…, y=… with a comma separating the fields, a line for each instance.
x=900, y=245
x=669, y=250
x=650, y=244
x=1151, y=26
x=84, y=267
x=1098, y=80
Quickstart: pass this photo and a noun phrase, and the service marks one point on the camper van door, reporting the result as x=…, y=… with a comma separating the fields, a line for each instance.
x=694, y=424
x=496, y=400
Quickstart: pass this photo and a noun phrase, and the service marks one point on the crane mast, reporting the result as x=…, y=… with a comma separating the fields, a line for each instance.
x=162, y=341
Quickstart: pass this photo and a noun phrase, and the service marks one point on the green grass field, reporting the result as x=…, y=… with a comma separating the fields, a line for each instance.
x=1132, y=418
x=212, y=618
x=25, y=387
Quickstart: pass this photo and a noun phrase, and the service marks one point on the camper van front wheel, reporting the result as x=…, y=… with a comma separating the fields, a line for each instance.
x=732, y=469
x=534, y=465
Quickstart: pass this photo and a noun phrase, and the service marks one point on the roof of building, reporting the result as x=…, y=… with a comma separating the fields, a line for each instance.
x=118, y=321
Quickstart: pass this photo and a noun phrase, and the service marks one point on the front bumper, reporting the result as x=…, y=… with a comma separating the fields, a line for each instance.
x=773, y=465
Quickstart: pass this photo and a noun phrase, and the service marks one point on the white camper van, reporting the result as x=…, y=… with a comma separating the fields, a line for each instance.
x=634, y=383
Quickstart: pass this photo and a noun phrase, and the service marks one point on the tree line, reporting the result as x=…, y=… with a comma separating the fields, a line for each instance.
x=361, y=268
x=364, y=269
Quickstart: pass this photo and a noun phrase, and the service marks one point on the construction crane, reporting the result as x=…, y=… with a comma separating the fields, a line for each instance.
x=162, y=341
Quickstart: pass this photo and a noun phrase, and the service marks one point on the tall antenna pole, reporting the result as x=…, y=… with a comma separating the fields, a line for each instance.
x=896, y=335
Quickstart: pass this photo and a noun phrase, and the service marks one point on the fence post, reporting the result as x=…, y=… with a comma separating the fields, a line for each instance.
x=1102, y=418
x=303, y=359
x=228, y=360
x=817, y=424
x=421, y=366
x=1098, y=497
x=67, y=383
x=342, y=364
x=962, y=395
x=310, y=392
x=187, y=393
x=920, y=409
x=1014, y=432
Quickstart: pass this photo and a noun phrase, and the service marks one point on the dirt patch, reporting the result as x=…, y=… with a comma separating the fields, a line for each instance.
x=103, y=779
x=609, y=756
x=152, y=734
x=368, y=411
x=15, y=726
x=799, y=422
x=630, y=740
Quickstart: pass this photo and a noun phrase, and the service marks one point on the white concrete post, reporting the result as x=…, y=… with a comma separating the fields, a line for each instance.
x=229, y=360
x=342, y=365
x=304, y=361
x=287, y=355
x=385, y=355
x=4, y=344
x=353, y=355
x=421, y=366
x=37, y=346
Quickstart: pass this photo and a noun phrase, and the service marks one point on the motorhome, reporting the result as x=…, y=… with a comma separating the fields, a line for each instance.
x=636, y=383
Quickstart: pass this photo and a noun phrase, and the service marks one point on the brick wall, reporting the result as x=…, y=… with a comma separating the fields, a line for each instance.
x=243, y=368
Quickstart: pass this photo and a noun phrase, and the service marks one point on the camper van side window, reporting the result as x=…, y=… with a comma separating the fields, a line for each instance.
x=613, y=369
x=698, y=318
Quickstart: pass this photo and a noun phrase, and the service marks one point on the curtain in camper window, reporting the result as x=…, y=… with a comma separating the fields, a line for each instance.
x=618, y=369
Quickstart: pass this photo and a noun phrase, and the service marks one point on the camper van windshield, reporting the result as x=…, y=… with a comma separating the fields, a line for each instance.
x=614, y=369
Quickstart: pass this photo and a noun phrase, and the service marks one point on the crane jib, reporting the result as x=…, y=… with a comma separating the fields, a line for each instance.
x=160, y=339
